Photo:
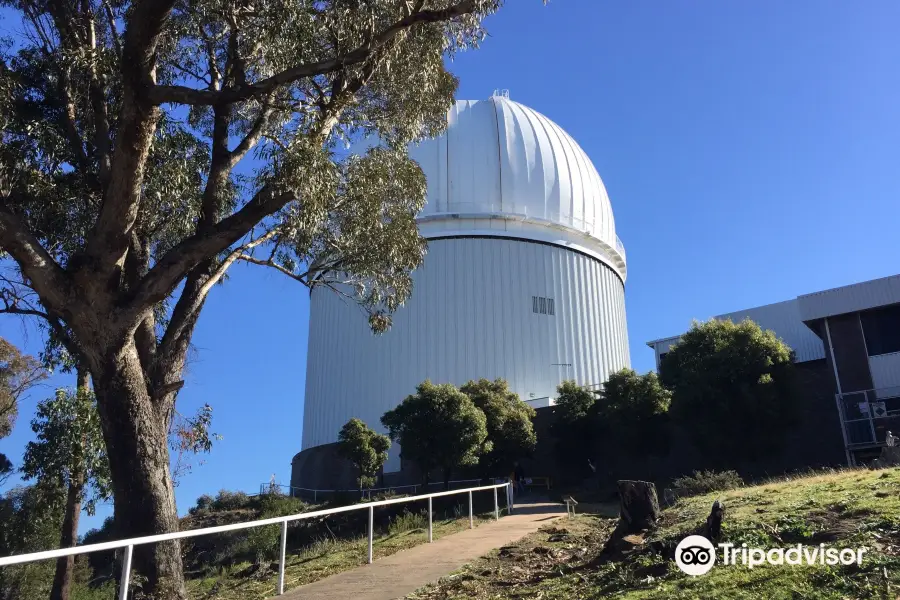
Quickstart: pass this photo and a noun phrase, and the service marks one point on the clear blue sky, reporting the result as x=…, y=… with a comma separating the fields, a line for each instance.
x=750, y=150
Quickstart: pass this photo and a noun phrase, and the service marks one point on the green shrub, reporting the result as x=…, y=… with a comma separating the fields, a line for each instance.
x=226, y=500
x=204, y=502
x=280, y=505
x=408, y=521
x=704, y=482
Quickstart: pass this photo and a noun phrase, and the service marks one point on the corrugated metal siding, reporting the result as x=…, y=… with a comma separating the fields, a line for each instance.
x=470, y=316
x=784, y=319
x=850, y=298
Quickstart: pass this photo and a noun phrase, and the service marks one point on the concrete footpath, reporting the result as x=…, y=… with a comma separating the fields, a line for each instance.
x=404, y=572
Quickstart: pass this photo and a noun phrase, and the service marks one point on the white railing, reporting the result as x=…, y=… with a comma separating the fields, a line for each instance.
x=317, y=493
x=365, y=493
x=129, y=544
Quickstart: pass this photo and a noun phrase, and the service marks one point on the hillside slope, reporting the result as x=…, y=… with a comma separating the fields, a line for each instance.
x=847, y=509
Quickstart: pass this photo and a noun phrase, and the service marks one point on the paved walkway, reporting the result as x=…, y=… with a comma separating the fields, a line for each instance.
x=404, y=572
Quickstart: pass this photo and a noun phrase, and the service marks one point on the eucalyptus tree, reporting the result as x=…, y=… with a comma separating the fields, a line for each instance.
x=68, y=453
x=128, y=189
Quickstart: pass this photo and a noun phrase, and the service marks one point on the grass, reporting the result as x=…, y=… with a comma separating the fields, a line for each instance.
x=853, y=508
x=323, y=558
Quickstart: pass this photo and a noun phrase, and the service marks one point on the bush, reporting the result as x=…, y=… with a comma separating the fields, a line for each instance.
x=704, y=482
x=408, y=521
x=204, y=502
x=226, y=500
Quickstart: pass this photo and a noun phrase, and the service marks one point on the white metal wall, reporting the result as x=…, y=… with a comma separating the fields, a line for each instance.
x=470, y=316
x=784, y=319
x=850, y=298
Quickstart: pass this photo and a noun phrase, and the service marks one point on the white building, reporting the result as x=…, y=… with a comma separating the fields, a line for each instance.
x=524, y=280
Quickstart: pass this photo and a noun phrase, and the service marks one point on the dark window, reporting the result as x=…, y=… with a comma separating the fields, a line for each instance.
x=542, y=306
x=662, y=356
x=882, y=329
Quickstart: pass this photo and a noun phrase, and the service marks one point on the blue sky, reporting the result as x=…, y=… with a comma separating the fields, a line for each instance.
x=749, y=149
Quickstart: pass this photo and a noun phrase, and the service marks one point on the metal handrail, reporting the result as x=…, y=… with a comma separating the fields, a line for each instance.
x=130, y=543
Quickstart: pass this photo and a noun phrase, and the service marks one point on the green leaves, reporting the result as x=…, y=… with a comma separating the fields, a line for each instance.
x=18, y=373
x=69, y=447
x=438, y=427
x=732, y=386
x=509, y=428
x=365, y=448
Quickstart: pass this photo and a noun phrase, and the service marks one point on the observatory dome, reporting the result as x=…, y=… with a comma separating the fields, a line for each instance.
x=524, y=280
x=504, y=169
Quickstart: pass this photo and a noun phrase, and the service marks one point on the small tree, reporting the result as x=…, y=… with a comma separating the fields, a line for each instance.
x=571, y=430
x=438, y=427
x=632, y=414
x=365, y=448
x=509, y=425
x=30, y=519
x=732, y=387
x=18, y=373
x=70, y=453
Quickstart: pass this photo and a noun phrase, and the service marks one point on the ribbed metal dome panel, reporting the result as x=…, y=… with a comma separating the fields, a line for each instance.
x=499, y=157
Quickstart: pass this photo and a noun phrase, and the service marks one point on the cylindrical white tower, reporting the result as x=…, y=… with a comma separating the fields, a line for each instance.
x=524, y=280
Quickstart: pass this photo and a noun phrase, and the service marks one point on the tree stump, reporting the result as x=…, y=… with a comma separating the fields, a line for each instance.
x=714, y=521
x=638, y=512
x=638, y=505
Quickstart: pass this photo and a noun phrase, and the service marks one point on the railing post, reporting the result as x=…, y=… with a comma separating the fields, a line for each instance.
x=429, y=520
x=496, y=507
x=509, y=497
x=125, y=579
x=371, y=530
x=282, y=555
x=471, y=518
x=314, y=496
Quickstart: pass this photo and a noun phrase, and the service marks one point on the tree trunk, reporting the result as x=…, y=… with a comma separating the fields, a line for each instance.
x=135, y=428
x=65, y=565
x=639, y=506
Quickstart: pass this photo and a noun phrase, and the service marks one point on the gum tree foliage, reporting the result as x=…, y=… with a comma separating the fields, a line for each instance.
x=121, y=207
x=732, y=389
x=438, y=428
x=365, y=448
x=509, y=425
x=18, y=373
x=69, y=453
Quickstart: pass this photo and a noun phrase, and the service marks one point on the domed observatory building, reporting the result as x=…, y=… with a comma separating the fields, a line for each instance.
x=523, y=279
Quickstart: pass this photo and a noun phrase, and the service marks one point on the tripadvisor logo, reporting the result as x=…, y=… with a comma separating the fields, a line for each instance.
x=696, y=555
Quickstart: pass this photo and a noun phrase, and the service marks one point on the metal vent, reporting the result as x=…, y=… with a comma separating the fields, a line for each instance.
x=543, y=306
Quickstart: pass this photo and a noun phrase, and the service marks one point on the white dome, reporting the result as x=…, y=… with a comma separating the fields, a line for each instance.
x=503, y=169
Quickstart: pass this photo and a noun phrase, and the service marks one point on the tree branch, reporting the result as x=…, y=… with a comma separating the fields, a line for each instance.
x=43, y=273
x=270, y=263
x=184, y=95
x=110, y=236
x=166, y=274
